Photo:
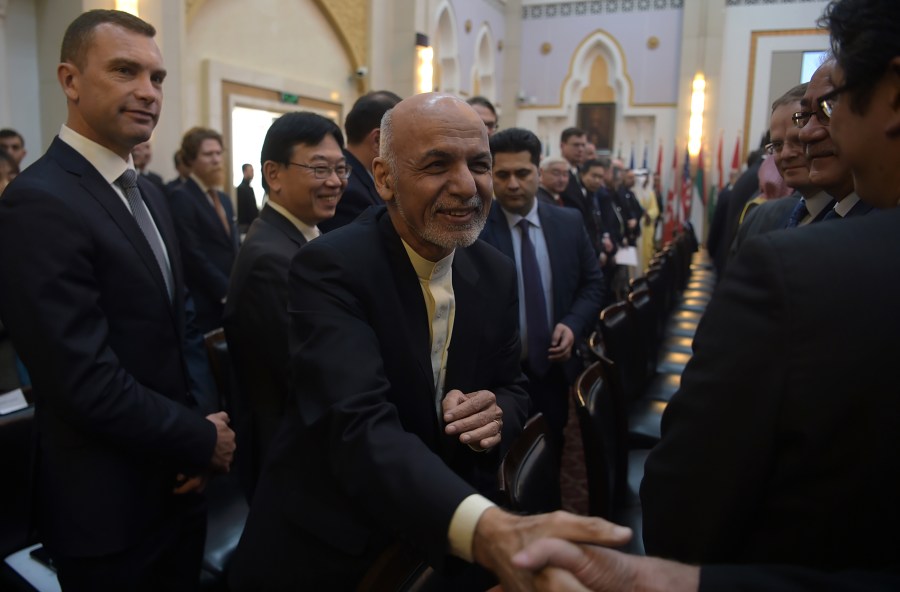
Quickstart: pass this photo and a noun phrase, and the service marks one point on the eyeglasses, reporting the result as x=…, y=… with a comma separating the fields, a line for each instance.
x=777, y=146
x=491, y=125
x=825, y=105
x=323, y=172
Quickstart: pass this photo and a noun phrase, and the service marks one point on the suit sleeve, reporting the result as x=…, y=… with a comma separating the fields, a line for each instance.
x=384, y=468
x=703, y=480
x=197, y=266
x=353, y=202
x=752, y=578
x=56, y=311
x=582, y=315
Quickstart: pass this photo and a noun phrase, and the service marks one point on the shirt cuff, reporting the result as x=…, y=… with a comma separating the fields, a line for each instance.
x=463, y=523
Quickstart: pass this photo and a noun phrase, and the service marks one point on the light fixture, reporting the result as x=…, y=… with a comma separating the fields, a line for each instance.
x=698, y=102
x=129, y=6
x=424, y=64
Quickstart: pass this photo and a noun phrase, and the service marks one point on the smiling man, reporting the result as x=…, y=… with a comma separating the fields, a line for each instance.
x=304, y=173
x=98, y=315
x=827, y=168
x=405, y=379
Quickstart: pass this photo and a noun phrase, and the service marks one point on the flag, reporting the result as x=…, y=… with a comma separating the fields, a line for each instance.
x=646, y=150
x=659, y=159
x=736, y=159
x=698, y=180
x=686, y=188
x=721, y=167
x=671, y=205
x=631, y=162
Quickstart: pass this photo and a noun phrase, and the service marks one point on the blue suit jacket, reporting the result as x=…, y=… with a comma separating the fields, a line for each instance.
x=577, y=279
x=107, y=352
x=207, y=251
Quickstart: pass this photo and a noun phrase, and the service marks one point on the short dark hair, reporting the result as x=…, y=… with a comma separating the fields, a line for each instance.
x=193, y=138
x=791, y=96
x=302, y=127
x=11, y=133
x=569, y=132
x=244, y=167
x=484, y=102
x=13, y=167
x=80, y=32
x=516, y=139
x=593, y=163
x=178, y=158
x=366, y=114
x=865, y=37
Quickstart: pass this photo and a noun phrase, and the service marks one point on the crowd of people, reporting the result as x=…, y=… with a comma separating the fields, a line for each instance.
x=412, y=290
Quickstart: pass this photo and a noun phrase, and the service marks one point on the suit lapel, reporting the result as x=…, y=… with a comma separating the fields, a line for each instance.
x=96, y=186
x=414, y=315
x=362, y=177
x=282, y=224
x=498, y=227
x=209, y=212
x=553, y=234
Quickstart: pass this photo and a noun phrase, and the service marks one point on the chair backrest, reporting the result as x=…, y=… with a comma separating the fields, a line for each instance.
x=529, y=473
x=603, y=434
x=399, y=569
x=621, y=345
x=643, y=310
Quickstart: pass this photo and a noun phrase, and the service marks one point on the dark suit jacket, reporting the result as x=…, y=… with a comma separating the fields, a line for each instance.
x=257, y=324
x=574, y=197
x=783, y=444
x=207, y=251
x=359, y=195
x=155, y=179
x=544, y=196
x=770, y=578
x=91, y=319
x=247, y=210
x=577, y=280
x=361, y=458
x=769, y=216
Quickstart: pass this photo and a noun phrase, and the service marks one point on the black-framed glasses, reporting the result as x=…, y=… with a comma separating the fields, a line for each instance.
x=826, y=102
x=825, y=107
x=322, y=171
x=774, y=147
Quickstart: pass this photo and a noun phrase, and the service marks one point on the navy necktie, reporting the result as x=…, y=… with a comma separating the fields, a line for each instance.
x=799, y=213
x=127, y=181
x=832, y=214
x=535, y=305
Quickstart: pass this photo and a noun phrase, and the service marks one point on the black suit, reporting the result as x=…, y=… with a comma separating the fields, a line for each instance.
x=771, y=215
x=257, y=324
x=361, y=458
x=575, y=196
x=247, y=210
x=155, y=179
x=783, y=444
x=107, y=351
x=577, y=294
x=207, y=251
x=359, y=195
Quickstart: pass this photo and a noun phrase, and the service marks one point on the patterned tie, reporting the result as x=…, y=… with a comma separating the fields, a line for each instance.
x=220, y=210
x=128, y=183
x=832, y=215
x=535, y=305
x=799, y=213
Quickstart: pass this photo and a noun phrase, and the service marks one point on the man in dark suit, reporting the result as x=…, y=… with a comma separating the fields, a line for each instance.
x=807, y=477
x=363, y=126
x=98, y=314
x=630, y=208
x=401, y=440
x=142, y=154
x=256, y=317
x=827, y=167
x=204, y=219
x=554, y=177
x=559, y=281
x=610, y=224
x=247, y=210
x=572, y=145
x=782, y=445
x=183, y=173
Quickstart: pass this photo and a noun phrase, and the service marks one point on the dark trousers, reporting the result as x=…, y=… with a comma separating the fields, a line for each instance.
x=168, y=558
x=550, y=396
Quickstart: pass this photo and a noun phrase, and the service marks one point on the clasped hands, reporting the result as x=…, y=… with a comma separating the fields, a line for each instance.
x=476, y=417
x=223, y=455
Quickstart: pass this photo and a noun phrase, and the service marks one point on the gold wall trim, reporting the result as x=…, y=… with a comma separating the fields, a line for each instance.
x=751, y=72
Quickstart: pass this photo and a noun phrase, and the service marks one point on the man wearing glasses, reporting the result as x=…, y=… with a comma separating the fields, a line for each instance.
x=827, y=168
x=304, y=173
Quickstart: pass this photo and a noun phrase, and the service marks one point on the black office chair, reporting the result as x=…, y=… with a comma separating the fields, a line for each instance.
x=529, y=473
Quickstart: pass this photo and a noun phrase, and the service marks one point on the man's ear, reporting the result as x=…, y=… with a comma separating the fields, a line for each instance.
x=893, y=81
x=384, y=181
x=67, y=74
x=375, y=140
x=272, y=174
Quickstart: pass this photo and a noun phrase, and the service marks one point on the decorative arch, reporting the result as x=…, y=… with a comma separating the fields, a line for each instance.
x=603, y=45
x=444, y=43
x=483, y=66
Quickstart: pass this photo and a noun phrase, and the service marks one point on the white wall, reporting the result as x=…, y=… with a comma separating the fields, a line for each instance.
x=735, y=94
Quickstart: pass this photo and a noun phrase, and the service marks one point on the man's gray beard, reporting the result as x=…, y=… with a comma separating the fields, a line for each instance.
x=437, y=236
